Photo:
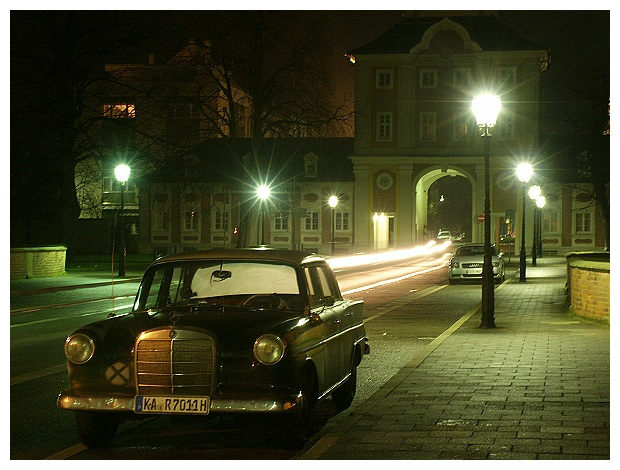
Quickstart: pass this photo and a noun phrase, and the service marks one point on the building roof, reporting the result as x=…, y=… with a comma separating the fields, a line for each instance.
x=487, y=31
x=220, y=160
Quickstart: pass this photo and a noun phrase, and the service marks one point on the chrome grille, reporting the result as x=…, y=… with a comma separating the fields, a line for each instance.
x=173, y=361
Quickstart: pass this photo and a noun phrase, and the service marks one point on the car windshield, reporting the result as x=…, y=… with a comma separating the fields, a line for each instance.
x=220, y=282
x=474, y=251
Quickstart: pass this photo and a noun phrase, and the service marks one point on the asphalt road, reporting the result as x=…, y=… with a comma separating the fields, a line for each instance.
x=400, y=319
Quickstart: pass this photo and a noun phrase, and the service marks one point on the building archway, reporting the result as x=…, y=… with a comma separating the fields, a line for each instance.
x=459, y=198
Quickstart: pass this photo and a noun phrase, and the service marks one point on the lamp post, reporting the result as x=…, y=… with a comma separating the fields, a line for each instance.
x=333, y=202
x=486, y=108
x=263, y=192
x=121, y=172
x=540, y=203
x=534, y=193
x=524, y=173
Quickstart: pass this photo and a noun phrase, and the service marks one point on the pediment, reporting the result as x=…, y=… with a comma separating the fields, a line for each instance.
x=445, y=35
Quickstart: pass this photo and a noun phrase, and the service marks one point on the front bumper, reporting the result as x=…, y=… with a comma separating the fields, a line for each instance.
x=463, y=274
x=69, y=401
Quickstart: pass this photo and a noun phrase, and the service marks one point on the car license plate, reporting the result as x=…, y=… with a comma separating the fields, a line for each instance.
x=473, y=271
x=168, y=405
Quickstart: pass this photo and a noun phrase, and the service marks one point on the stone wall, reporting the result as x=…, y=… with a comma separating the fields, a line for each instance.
x=588, y=284
x=41, y=261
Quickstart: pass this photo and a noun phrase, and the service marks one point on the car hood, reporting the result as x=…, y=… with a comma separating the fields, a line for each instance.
x=233, y=329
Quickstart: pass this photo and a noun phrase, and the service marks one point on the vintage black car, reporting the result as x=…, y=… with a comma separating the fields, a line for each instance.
x=223, y=331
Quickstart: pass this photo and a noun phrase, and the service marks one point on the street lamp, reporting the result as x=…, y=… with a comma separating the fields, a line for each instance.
x=524, y=173
x=263, y=192
x=121, y=172
x=534, y=193
x=540, y=203
x=486, y=108
x=333, y=202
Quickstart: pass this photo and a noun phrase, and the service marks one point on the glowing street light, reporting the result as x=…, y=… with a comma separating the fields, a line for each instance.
x=333, y=202
x=534, y=193
x=486, y=107
x=540, y=203
x=263, y=192
x=524, y=173
x=121, y=173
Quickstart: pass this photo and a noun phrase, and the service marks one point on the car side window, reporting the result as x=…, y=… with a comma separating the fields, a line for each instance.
x=156, y=285
x=314, y=292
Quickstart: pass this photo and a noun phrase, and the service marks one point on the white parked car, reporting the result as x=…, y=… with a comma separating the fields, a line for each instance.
x=467, y=263
x=444, y=235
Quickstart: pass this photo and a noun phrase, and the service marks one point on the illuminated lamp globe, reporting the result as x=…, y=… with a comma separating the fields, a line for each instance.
x=121, y=172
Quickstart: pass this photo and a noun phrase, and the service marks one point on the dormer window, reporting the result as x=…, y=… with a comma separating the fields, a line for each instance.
x=310, y=165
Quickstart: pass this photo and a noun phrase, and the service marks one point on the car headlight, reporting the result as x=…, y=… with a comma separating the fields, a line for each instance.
x=268, y=349
x=79, y=348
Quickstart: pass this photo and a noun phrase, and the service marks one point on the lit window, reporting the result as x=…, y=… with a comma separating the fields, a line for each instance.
x=461, y=77
x=191, y=220
x=119, y=110
x=550, y=221
x=281, y=221
x=220, y=219
x=342, y=221
x=507, y=76
x=505, y=127
x=583, y=222
x=384, y=126
x=461, y=128
x=384, y=79
x=428, y=78
x=312, y=221
x=427, y=125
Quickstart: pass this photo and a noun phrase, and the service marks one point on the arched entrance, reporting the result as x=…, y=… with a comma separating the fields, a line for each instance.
x=445, y=199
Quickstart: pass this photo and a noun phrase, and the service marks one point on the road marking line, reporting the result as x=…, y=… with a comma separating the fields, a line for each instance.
x=408, y=299
x=44, y=307
x=68, y=452
x=37, y=374
x=47, y=320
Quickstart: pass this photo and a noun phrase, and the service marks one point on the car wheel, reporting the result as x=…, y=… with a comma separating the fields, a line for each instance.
x=343, y=396
x=296, y=424
x=96, y=430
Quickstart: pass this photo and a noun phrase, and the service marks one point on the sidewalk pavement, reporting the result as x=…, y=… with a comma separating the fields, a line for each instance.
x=535, y=387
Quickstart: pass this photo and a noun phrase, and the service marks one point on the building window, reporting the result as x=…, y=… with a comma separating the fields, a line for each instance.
x=428, y=125
x=281, y=221
x=220, y=219
x=342, y=221
x=550, y=221
x=161, y=220
x=461, y=127
x=428, y=78
x=119, y=110
x=505, y=127
x=312, y=221
x=461, y=77
x=310, y=165
x=191, y=220
x=507, y=76
x=385, y=79
x=583, y=222
x=384, y=126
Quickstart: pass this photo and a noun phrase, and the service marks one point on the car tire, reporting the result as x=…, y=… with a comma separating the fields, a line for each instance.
x=296, y=424
x=96, y=430
x=343, y=396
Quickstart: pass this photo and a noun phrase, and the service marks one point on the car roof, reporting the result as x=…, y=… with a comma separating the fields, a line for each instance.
x=258, y=254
